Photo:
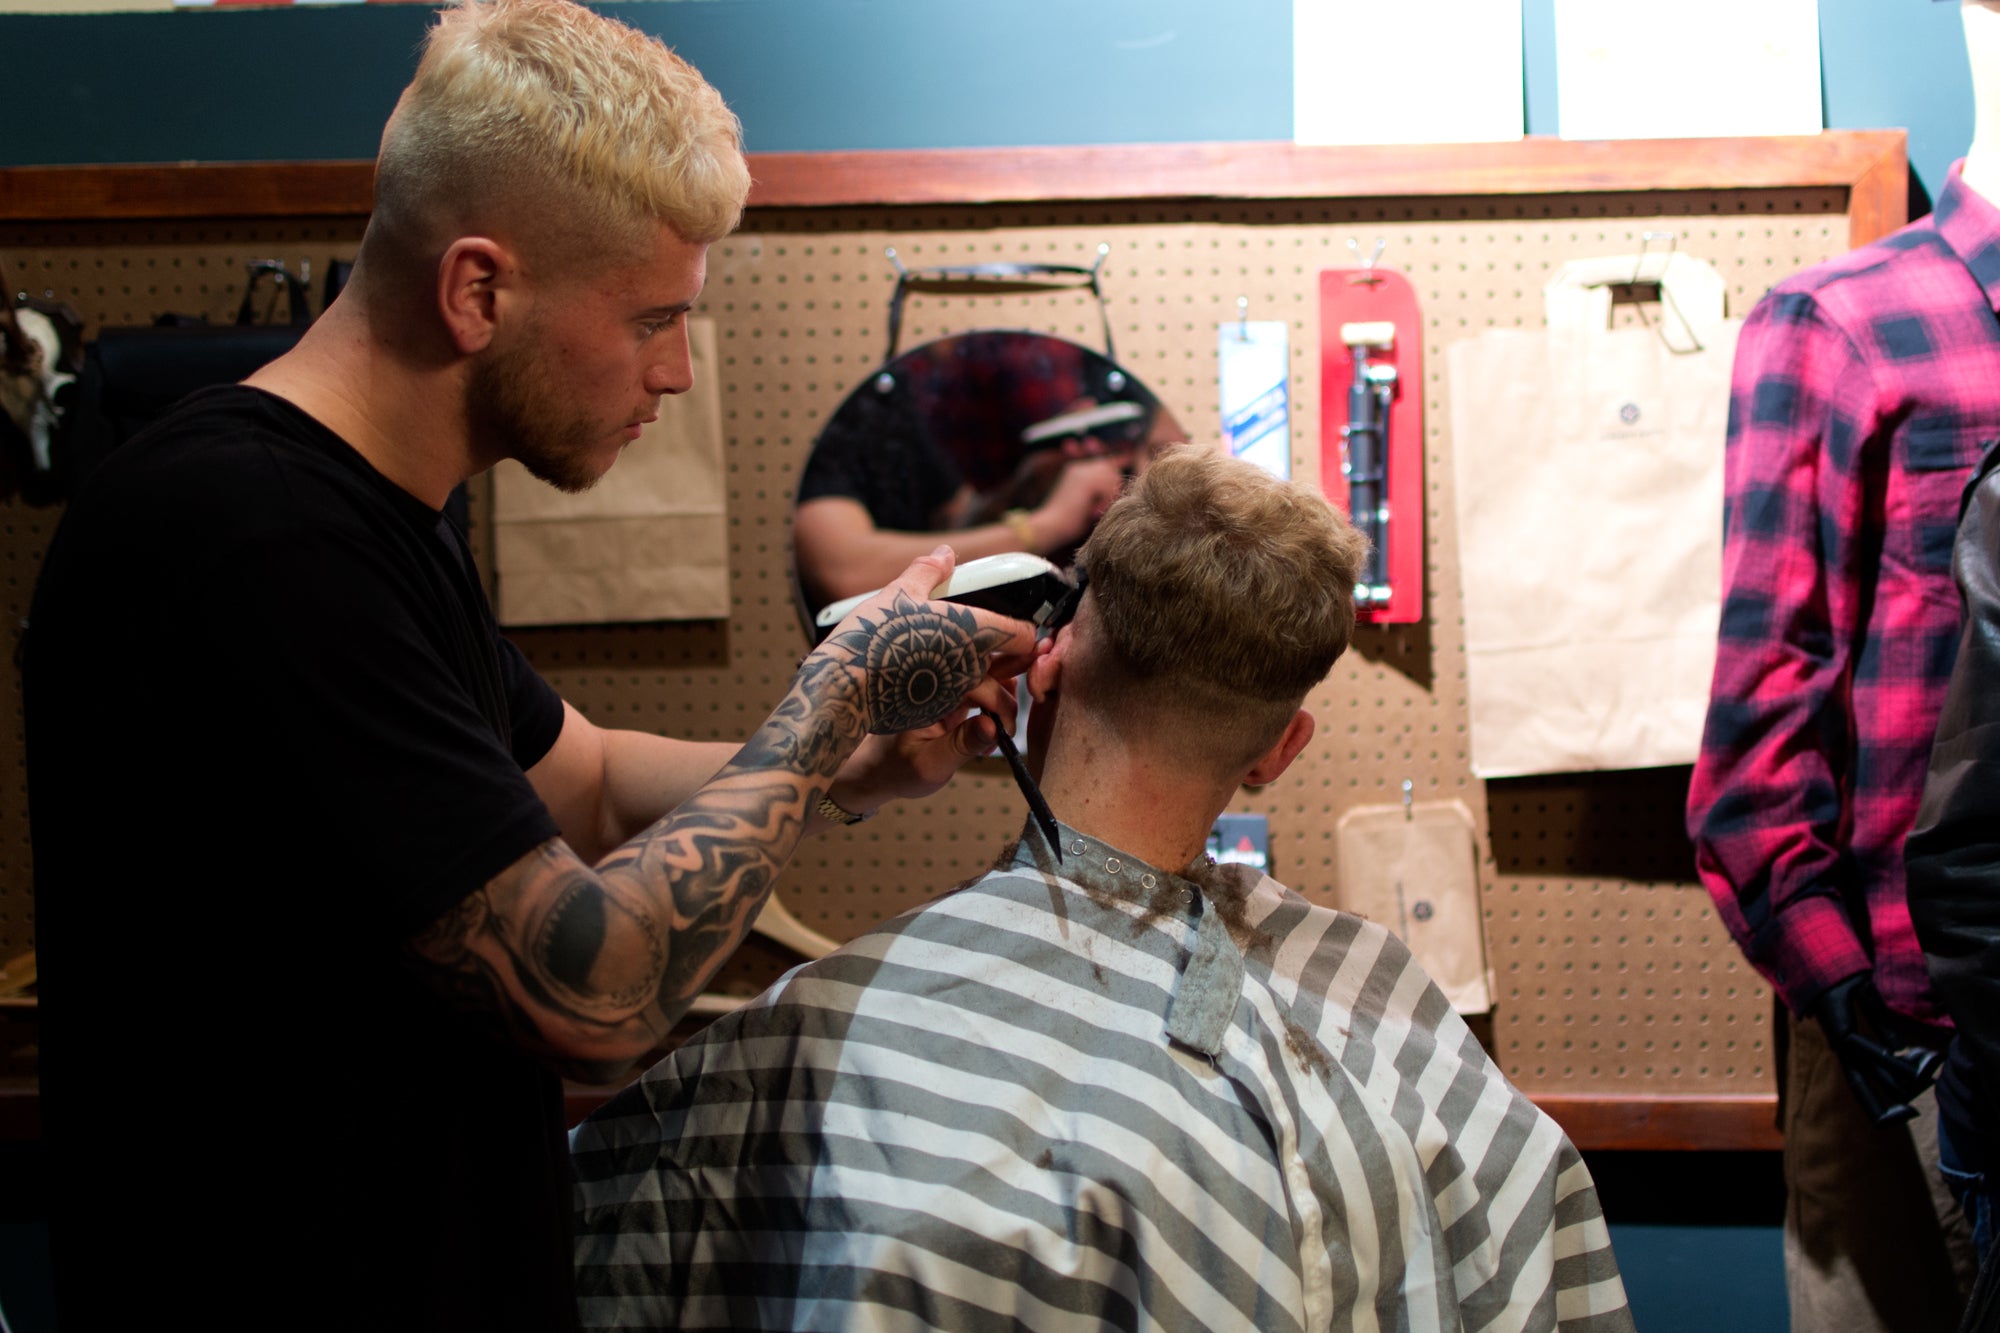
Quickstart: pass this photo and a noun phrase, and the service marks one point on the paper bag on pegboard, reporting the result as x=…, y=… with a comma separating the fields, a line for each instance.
x=1414, y=869
x=648, y=542
x=1587, y=471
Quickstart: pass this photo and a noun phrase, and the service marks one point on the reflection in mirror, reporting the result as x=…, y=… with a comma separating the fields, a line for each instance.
x=992, y=441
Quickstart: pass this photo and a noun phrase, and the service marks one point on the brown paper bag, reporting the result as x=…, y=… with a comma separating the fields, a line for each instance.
x=1587, y=465
x=649, y=542
x=1414, y=869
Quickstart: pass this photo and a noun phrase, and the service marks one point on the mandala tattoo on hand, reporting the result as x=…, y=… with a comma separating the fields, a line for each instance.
x=917, y=661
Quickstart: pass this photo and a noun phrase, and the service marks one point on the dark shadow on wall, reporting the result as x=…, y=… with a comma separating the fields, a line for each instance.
x=1624, y=824
x=682, y=645
x=1404, y=649
x=1920, y=198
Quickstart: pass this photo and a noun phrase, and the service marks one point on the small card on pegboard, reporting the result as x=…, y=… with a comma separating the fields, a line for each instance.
x=1241, y=840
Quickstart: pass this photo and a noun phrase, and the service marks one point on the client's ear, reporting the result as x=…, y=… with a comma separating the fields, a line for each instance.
x=1285, y=749
x=1046, y=670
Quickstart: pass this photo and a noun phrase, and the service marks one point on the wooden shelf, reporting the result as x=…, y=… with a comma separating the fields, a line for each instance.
x=1869, y=164
x=20, y=1110
x=1604, y=1123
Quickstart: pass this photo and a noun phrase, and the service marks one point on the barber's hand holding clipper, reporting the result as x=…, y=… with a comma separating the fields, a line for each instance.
x=916, y=674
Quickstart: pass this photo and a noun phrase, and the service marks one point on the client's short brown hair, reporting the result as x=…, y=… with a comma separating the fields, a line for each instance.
x=1219, y=596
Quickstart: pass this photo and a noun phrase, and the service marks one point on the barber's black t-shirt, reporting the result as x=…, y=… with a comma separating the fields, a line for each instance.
x=272, y=733
x=877, y=450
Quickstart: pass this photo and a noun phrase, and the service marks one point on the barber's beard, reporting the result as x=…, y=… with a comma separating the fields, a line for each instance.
x=515, y=407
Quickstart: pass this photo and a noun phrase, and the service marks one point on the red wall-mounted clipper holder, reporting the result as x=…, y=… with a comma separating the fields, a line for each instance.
x=1358, y=309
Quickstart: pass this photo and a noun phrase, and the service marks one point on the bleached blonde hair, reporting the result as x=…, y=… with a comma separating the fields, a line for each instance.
x=571, y=127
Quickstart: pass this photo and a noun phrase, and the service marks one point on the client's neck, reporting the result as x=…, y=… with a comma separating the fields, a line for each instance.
x=1124, y=795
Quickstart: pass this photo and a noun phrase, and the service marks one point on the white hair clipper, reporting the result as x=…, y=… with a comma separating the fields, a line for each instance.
x=1015, y=584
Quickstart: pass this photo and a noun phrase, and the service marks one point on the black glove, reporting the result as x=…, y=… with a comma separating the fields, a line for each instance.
x=1887, y=1058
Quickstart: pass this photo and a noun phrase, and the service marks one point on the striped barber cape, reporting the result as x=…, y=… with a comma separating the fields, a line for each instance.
x=1091, y=1095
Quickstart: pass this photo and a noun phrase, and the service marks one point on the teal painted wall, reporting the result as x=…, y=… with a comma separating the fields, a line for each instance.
x=276, y=84
x=238, y=85
x=1900, y=63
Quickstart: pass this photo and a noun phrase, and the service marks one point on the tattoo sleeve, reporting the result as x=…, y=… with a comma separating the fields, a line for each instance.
x=590, y=967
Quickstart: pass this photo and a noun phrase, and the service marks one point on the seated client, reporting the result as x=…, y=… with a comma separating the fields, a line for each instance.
x=1121, y=1087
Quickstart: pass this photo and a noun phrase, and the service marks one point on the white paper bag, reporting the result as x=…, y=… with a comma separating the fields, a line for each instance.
x=1587, y=466
x=1414, y=869
x=648, y=542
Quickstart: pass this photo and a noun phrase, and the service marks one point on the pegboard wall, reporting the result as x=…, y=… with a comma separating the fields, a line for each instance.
x=1613, y=975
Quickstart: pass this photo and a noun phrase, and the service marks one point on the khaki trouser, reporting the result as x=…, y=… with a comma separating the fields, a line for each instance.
x=1873, y=1240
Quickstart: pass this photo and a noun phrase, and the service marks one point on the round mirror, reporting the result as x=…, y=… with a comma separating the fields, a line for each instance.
x=993, y=441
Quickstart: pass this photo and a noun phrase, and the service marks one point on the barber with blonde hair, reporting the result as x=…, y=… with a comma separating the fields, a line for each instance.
x=317, y=852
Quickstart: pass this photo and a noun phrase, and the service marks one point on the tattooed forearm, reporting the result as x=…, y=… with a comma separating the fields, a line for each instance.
x=598, y=953
x=593, y=966
x=804, y=735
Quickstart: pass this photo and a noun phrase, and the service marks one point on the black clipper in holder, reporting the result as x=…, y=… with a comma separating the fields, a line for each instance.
x=1367, y=464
